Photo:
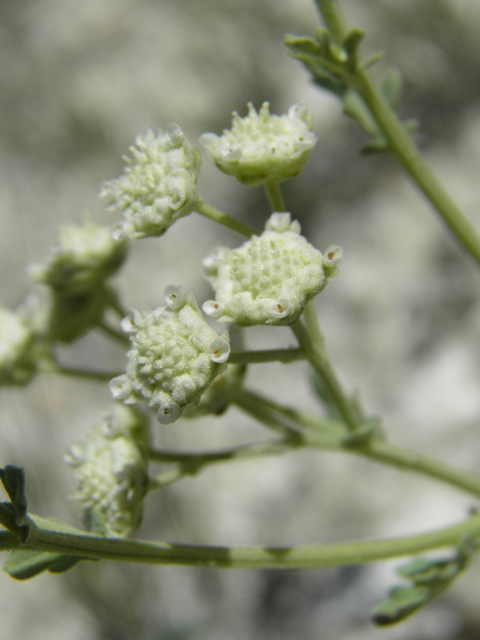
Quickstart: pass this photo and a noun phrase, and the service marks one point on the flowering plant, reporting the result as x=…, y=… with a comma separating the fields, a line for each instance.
x=177, y=365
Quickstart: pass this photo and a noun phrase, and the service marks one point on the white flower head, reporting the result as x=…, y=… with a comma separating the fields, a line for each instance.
x=83, y=257
x=262, y=146
x=270, y=278
x=157, y=187
x=174, y=357
x=111, y=472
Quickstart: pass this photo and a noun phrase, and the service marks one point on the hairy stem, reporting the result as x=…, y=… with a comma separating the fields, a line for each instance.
x=263, y=356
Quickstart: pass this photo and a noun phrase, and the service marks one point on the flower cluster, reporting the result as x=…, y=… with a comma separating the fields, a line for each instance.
x=157, y=187
x=262, y=146
x=111, y=471
x=175, y=356
x=270, y=278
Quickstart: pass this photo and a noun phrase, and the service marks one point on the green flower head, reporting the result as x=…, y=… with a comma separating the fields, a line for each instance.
x=262, y=146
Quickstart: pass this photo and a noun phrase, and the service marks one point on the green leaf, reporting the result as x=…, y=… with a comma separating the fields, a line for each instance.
x=391, y=87
x=352, y=41
x=22, y=564
x=13, y=480
x=402, y=603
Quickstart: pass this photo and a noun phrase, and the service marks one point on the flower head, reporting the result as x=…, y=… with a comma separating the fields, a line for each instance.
x=270, y=278
x=17, y=366
x=83, y=257
x=261, y=146
x=111, y=470
x=175, y=356
x=157, y=187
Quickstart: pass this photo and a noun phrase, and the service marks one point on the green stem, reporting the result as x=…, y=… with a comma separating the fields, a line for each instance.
x=312, y=343
x=328, y=435
x=333, y=18
x=206, y=210
x=263, y=356
x=85, y=374
x=400, y=143
x=119, y=336
x=274, y=196
x=304, y=557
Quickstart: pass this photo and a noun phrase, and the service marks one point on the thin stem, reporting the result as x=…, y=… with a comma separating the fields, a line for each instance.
x=206, y=210
x=263, y=356
x=402, y=146
x=304, y=557
x=312, y=343
x=254, y=406
x=333, y=18
x=85, y=374
x=119, y=336
x=300, y=418
x=274, y=196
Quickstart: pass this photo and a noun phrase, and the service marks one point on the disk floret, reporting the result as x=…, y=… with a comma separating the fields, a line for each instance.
x=270, y=278
x=111, y=471
x=261, y=146
x=174, y=357
x=157, y=187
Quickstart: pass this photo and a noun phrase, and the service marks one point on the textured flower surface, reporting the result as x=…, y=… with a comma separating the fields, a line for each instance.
x=111, y=470
x=175, y=356
x=270, y=278
x=262, y=146
x=83, y=257
x=157, y=187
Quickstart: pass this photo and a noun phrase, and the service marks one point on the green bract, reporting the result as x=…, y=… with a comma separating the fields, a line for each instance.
x=157, y=187
x=270, y=278
x=111, y=471
x=175, y=356
x=261, y=146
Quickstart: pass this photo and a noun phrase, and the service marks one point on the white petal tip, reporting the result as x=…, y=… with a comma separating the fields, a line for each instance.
x=168, y=413
x=175, y=296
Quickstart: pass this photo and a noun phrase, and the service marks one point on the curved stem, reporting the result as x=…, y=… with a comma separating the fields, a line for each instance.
x=263, y=356
x=304, y=557
x=274, y=196
x=206, y=210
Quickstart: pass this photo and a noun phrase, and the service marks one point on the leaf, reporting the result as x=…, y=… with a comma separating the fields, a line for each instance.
x=391, y=87
x=13, y=480
x=22, y=564
x=402, y=603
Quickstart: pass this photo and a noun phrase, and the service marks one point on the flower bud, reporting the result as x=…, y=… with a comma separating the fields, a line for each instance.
x=262, y=147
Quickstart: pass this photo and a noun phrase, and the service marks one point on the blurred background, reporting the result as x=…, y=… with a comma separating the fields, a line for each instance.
x=78, y=82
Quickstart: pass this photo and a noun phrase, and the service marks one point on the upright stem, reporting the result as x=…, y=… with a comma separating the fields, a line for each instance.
x=333, y=19
x=275, y=196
